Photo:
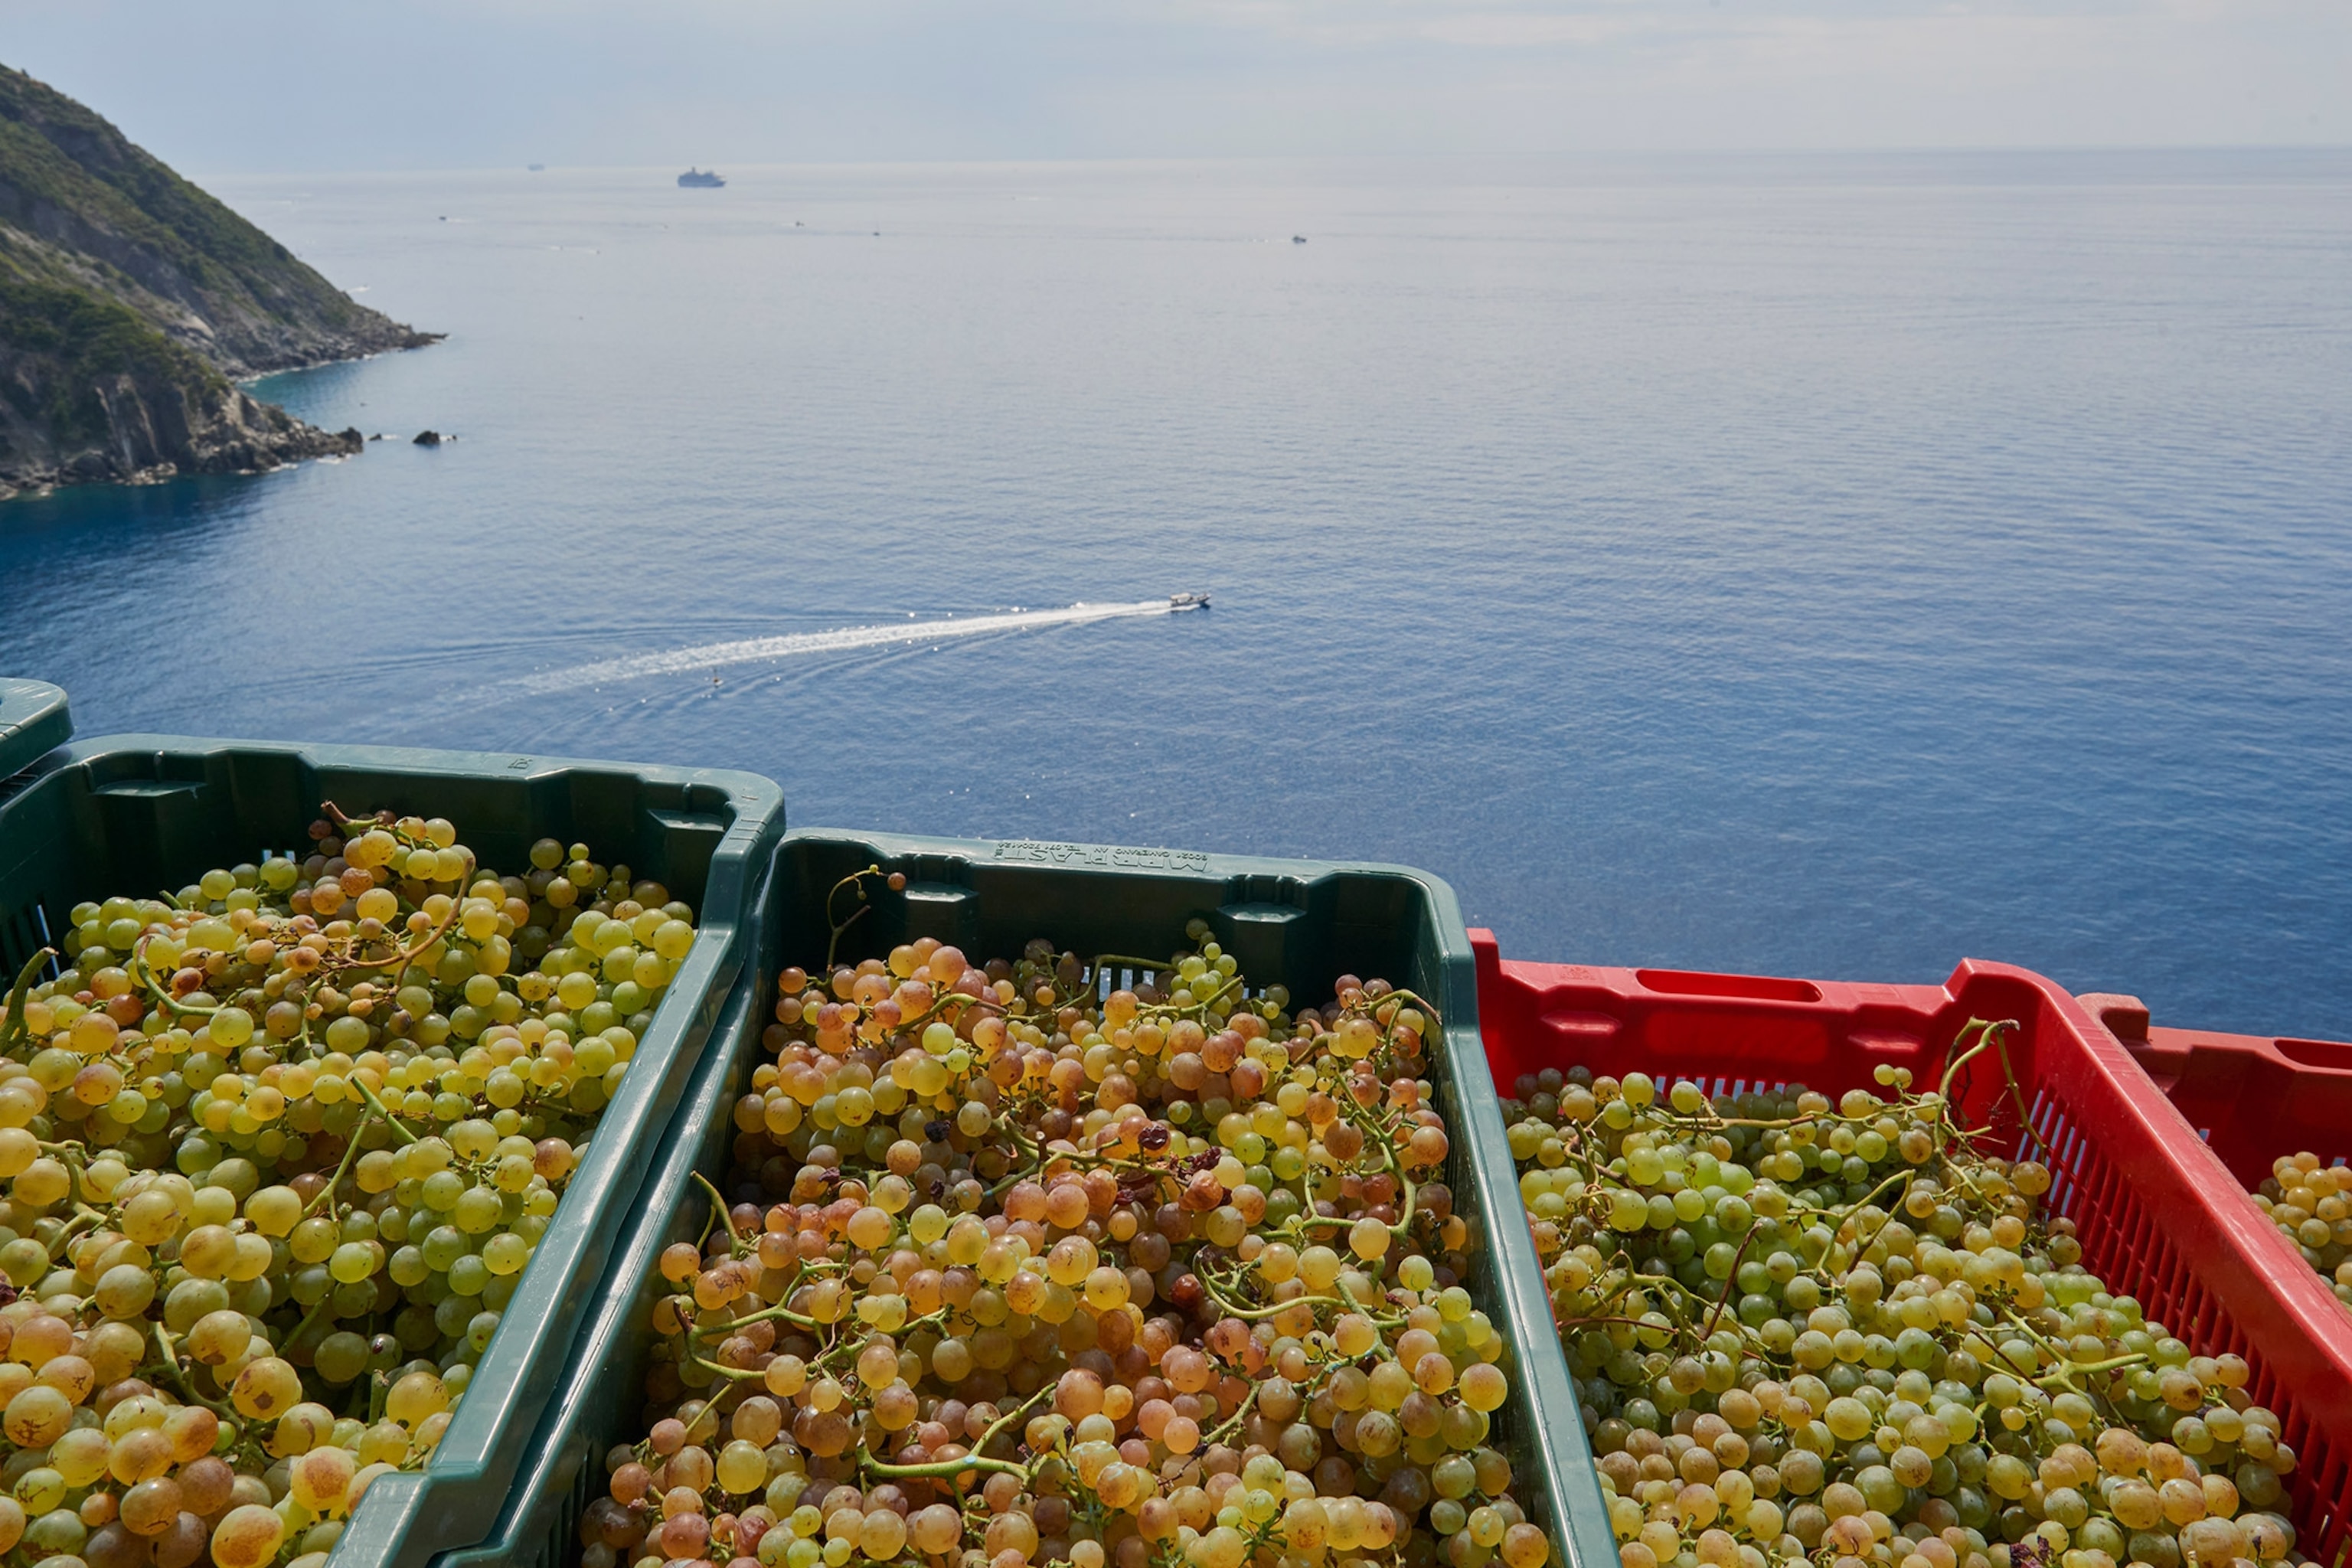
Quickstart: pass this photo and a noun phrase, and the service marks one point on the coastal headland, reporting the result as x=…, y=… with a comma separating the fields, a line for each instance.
x=131, y=303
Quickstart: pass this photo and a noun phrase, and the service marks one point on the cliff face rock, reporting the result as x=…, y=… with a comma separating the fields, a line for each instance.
x=128, y=299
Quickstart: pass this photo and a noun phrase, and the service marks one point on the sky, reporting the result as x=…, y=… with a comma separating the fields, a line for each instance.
x=261, y=86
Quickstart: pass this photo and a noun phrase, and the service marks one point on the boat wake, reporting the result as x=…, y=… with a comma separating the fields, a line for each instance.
x=757, y=651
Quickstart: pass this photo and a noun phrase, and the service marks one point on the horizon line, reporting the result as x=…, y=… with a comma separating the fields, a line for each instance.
x=1890, y=150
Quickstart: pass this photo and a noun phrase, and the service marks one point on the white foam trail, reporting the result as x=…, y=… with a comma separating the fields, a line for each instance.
x=754, y=650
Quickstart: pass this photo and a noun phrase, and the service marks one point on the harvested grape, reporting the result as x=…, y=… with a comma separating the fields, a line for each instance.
x=2312, y=1203
x=1017, y=1265
x=1841, y=1331
x=278, y=1149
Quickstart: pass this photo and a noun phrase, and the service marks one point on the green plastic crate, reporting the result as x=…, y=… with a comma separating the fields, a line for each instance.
x=1299, y=922
x=33, y=718
x=133, y=813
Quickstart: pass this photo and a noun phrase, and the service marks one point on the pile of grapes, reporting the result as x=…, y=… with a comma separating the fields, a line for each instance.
x=278, y=1149
x=2313, y=1203
x=1014, y=1272
x=1835, y=1329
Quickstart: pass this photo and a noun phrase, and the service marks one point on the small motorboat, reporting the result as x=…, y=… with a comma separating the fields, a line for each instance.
x=1187, y=601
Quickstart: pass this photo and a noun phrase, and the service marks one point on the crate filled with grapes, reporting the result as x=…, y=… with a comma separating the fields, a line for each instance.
x=1932, y=1277
x=326, y=1075
x=1058, y=1205
x=2277, y=1111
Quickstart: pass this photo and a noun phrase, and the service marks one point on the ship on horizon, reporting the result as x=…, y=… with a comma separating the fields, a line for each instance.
x=701, y=179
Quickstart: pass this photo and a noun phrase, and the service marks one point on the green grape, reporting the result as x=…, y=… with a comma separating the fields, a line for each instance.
x=1867, y=1336
x=506, y=1254
x=2312, y=1204
x=251, y=1142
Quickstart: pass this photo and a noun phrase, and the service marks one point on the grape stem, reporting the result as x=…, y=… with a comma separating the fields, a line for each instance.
x=2016, y=1094
x=1992, y=1035
x=1238, y=1308
x=1395, y=1322
x=855, y=879
x=1847, y=1214
x=393, y=1121
x=2065, y=1373
x=327, y=1193
x=1372, y=1125
x=1233, y=1424
x=73, y=1227
x=1730, y=1283
x=645, y=1450
x=718, y=1208
x=974, y=1460
x=309, y=1316
x=13, y=1029
x=1029, y=1151
x=741, y=1375
x=403, y=956
x=1041, y=1160
x=1205, y=1003
x=342, y=819
x=1984, y=1038
x=379, y=1394
x=778, y=1311
x=1628, y=1322
x=171, y=1365
x=146, y=975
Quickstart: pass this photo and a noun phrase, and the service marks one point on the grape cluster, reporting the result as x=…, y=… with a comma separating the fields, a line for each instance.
x=278, y=1149
x=1836, y=1329
x=2313, y=1203
x=1017, y=1269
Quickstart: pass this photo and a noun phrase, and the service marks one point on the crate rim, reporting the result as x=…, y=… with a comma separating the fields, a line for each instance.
x=746, y=786
x=1208, y=862
x=35, y=717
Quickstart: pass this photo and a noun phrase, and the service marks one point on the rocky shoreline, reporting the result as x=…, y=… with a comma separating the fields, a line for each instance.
x=130, y=305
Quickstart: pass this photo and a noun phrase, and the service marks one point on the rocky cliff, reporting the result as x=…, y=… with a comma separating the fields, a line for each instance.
x=128, y=299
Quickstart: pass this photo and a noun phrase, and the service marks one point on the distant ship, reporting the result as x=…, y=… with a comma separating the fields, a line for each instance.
x=702, y=179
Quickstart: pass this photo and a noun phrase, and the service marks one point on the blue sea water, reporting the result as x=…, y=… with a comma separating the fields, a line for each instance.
x=1831, y=566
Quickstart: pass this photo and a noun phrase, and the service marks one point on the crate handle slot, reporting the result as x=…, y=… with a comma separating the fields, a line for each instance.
x=2328, y=1056
x=1746, y=987
x=1581, y=1024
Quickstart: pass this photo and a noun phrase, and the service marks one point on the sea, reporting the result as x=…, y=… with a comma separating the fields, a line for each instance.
x=1832, y=565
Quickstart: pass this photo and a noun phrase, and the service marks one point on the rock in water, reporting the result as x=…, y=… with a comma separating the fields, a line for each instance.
x=427, y=439
x=129, y=299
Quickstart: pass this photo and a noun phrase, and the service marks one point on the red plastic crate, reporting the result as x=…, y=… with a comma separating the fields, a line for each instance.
x=2250, y=1097
x=2159, y=1214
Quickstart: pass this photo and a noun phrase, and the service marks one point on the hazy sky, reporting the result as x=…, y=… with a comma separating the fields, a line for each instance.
x=257, y=85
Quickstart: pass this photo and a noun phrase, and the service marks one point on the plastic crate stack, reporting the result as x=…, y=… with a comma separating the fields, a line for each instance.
x=2153, y=1133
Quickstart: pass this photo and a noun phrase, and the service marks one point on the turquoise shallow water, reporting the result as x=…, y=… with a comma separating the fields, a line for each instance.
x=1830, y=566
